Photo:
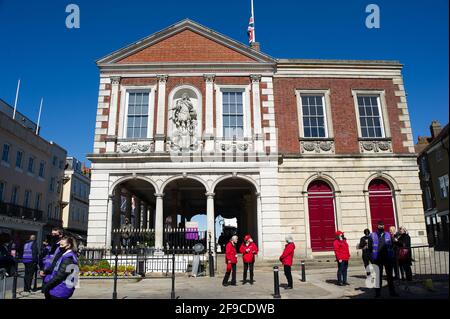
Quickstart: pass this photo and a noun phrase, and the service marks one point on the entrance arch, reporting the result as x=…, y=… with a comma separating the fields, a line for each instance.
x=236, y=198
x=381, y=203
x=132, y=199
x=321, y=207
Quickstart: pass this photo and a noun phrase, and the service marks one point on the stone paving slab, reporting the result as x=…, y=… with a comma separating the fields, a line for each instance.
x=320, y=284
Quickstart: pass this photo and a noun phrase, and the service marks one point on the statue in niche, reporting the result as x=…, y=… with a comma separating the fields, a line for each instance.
x=185, y=120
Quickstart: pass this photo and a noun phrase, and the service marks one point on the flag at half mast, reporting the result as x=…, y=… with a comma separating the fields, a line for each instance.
x=251, y=28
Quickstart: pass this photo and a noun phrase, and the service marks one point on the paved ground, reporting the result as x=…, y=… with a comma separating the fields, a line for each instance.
x=320, y=284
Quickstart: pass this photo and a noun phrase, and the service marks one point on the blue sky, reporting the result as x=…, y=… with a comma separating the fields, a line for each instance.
x=59, y=64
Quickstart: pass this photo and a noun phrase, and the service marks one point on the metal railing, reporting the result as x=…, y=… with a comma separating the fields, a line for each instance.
x=21, y=212
x=172, y=237
x=429, y=263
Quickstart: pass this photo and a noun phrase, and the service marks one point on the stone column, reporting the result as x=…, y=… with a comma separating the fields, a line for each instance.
x=112, y=120
x=210, y=216
x=161, y=114
x=209, y=112
x=159, y=222
x=109, y=220
x=259, y=223
x=145, y=216
x=257, y=124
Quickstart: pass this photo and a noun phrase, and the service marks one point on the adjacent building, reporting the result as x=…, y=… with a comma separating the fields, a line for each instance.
x=433, y=162
x=76, y=194
x=31, y=175
x=192, y=122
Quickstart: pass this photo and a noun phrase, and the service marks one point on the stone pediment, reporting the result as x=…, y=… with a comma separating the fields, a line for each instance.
x=185, y=42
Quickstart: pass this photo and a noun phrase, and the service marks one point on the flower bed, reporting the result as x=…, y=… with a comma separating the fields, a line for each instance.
x=103, y=269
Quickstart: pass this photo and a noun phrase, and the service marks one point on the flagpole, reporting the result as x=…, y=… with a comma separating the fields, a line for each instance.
x=17, y=97
x=254, y=29
x=39, y=117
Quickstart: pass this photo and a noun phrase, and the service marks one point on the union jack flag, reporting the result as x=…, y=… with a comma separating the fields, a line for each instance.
x=251, y=30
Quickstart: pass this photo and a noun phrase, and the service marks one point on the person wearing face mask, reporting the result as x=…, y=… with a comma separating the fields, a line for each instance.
x=248, y=250
x=58, y=286
x=54, y=252
x=382, y=250
x=342, y=254
x=364, y=246
x=231, y=261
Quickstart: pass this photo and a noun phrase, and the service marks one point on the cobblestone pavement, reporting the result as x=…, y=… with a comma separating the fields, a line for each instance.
x=320, y=284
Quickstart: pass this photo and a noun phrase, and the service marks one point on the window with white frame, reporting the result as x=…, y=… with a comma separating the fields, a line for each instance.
x=313, y=116
x=19, y=159
x=31, y=164
x=5, y=153
x=443, y=186
x=15, y=195
x=370, y=116
x=42, y=169
x=233, y=114
x=137, y=114
x=38, y=201
x=27, y=199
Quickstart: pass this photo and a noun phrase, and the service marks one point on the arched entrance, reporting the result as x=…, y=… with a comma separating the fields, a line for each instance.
x=184, y=199
x=235, y=202
x=322, y=223
x=133, y=200
x=381, y=204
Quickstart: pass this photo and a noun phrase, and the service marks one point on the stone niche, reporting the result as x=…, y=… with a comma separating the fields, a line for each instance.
x=184, y=120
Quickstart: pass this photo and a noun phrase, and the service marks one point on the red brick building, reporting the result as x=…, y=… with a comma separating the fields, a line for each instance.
x=192, y=122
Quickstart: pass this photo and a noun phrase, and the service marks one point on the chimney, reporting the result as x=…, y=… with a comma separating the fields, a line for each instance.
x=255, y=46
x=435, y=129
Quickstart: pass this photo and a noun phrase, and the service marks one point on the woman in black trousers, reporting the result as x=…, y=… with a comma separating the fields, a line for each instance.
x=404, y=254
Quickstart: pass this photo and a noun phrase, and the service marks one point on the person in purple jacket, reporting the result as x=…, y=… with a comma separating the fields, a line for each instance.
x=60, y=284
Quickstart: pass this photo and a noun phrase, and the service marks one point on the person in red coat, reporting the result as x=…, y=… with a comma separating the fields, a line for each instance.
x=287, y=258
x=231, y=261
x=248, y=250
x=342, y=257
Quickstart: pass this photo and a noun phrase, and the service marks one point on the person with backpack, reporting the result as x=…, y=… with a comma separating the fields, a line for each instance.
x=342, y=254
x=248, y=250
x=59, y=285
x=30, y=258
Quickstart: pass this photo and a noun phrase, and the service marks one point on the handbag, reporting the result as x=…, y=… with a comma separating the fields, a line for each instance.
x=403, y=254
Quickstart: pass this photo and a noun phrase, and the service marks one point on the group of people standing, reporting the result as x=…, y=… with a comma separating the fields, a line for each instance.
x=56, y=261
x=389, y=251
x=249, y=250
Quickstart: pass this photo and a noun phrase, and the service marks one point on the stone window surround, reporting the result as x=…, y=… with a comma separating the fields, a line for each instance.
x=246, y=108
x=329, y=132
x=382, y=105
x=123, y=114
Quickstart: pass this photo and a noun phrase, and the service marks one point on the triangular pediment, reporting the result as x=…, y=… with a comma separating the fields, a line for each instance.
x=186, y=42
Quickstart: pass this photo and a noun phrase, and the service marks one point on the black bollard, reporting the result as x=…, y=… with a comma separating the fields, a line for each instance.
x=172, y=293
x=276, y=283
x=14, y=285
x=114, y=296
x=211, y=259
x=303, y=271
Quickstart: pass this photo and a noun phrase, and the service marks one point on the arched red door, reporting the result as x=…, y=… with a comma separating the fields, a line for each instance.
x=381, y=204
x=321, y=216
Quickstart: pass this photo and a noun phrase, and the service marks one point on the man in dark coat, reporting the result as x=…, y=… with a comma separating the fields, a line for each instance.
x=364, y=246
x=381, y=247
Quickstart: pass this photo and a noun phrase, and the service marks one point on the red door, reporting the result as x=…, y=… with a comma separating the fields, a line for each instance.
x=381, y=204
x=321, y=216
